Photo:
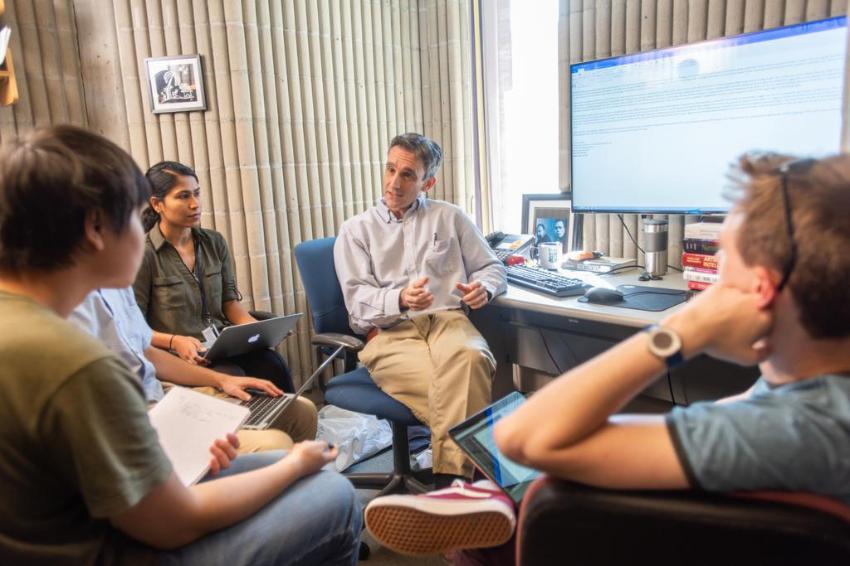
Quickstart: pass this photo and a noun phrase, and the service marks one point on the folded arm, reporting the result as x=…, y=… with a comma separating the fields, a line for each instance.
x=567, y=428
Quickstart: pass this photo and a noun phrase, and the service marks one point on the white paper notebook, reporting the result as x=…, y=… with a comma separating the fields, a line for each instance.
x=188, y=423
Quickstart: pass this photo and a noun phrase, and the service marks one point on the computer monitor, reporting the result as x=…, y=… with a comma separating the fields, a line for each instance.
x=656, y=131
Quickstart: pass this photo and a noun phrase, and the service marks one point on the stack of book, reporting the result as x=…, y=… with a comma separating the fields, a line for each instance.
x=699, y=263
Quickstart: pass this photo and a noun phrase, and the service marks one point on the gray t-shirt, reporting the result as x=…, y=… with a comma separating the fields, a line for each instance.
x=113, y=317
x=793, y=437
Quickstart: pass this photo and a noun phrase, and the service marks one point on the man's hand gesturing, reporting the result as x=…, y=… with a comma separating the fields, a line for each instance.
x=474, y=294
x=416, y=296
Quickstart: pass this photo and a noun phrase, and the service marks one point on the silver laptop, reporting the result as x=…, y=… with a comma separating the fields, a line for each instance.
x=244, y=338
x=265, y=409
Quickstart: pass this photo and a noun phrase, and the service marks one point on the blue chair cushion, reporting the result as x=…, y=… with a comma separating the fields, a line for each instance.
x=357, y=392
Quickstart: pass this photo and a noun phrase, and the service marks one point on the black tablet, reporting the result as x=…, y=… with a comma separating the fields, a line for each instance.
x=475, y=438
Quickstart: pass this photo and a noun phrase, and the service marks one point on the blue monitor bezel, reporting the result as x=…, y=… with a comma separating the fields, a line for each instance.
x=722, y=42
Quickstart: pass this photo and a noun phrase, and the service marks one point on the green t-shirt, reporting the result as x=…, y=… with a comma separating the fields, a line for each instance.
x=76, y=445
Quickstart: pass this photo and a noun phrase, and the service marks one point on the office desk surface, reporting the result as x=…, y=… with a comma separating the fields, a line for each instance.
x=525, y=299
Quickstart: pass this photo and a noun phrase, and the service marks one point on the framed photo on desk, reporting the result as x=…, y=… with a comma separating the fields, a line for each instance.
x=549, y=218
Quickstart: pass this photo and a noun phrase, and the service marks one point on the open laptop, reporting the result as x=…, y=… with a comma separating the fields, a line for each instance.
x=264, y=409
x=244, y=338
x=475, y=437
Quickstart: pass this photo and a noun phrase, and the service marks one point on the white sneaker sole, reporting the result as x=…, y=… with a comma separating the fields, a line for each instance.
x=421, y=526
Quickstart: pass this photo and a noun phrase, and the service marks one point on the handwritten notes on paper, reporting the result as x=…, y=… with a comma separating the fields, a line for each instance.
x=188, y=423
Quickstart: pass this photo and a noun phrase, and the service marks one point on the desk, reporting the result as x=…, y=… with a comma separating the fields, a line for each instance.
x=537, y=336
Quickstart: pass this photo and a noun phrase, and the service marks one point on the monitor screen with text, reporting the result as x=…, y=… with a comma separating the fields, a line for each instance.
x=657, y=131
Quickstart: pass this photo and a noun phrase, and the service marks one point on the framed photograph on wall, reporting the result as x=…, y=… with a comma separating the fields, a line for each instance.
x=175, y=84
x=549, y=218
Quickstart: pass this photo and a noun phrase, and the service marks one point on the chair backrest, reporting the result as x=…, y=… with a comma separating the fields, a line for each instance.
x=315, y=260
x=672, y=527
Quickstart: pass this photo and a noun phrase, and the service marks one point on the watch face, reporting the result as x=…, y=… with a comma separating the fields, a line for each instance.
x=664, y=343
x=663, y=340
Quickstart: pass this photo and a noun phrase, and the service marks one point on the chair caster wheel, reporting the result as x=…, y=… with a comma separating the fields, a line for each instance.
x=364, y=552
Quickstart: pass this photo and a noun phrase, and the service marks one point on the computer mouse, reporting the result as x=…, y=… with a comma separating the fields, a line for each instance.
x=603, y=296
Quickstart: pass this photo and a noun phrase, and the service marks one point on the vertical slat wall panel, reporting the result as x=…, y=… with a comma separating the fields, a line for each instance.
x=602, y=28
x=303, y=97
x=446, y=82
x=47, y=66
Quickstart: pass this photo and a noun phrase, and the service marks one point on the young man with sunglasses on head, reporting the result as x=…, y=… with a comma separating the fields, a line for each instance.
x=782, y=302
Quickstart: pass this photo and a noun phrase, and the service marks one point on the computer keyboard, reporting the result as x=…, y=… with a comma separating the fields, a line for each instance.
x=545, y=281
x=260, y=406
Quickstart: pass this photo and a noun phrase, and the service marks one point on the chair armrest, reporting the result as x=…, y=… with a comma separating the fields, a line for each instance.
x=336, y=340
x=262, y=315
x=562, y=521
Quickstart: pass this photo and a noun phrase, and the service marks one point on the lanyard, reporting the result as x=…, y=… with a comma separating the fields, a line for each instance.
x=199, y=279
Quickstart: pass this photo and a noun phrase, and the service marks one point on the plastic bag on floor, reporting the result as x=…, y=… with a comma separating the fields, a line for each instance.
x=358, y=436
x=422, y=460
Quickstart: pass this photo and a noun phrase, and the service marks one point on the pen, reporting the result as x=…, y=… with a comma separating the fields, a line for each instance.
x=435, y=240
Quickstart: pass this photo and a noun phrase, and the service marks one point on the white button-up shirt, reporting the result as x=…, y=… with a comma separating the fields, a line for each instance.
x=377, y=255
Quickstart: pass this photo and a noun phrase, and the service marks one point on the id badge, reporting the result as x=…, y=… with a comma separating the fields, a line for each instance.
x=210, y=334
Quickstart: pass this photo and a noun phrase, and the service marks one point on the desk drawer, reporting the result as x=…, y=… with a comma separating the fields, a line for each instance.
x=549, y=350
x=554, y=351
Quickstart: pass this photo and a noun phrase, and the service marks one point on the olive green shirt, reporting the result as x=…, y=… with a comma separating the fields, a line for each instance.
x=168, y=292
x=76, y=445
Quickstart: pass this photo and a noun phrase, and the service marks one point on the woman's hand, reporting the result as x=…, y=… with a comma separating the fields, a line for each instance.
x=188, y=348
x=224, y=452
x=236, y=386
x=311, y=455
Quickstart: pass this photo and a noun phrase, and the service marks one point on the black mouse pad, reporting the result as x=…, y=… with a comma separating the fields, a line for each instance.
x=645, y=298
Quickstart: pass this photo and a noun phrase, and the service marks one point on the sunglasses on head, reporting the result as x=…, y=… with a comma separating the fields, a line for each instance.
x=785, y=170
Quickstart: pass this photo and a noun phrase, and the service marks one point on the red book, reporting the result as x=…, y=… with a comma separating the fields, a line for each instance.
x=690, y=259
x=698, y=285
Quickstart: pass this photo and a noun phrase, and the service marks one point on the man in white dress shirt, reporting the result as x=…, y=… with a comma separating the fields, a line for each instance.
x=410, y=268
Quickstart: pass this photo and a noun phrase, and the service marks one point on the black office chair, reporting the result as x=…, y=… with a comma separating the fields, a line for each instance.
x=353, y=390
x=562, y=522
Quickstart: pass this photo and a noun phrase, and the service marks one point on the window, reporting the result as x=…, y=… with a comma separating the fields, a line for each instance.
x=520, y=52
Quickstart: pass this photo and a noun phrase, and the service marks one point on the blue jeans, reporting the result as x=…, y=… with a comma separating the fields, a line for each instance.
x=317, y=520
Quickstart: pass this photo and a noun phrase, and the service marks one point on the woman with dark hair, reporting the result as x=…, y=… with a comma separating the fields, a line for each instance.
x=186, y=284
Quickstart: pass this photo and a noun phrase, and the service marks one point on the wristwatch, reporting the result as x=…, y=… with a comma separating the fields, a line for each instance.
x=665, y=344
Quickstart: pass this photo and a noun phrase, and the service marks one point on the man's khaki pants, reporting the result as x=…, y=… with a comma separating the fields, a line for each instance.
x=298, y=422
x=440, y=367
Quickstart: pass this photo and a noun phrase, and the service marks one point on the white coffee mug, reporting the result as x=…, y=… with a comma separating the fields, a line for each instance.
x=550, y=255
